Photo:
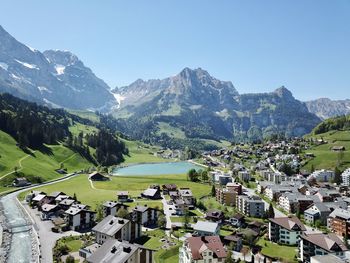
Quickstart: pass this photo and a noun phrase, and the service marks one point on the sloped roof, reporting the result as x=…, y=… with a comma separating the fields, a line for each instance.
x=290, y=223
x=197, y=245
x=110, y=225
x=205, y=226
x=329, y=242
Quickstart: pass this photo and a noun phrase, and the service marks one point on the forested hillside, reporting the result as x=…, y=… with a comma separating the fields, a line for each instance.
x=336, y=123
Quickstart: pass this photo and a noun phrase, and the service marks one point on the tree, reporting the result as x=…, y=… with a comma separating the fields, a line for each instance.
x=337, y=176
x=70, y=259
x=193, y=175
x=204, y=175
x=186, y=219
x=122, y=212
x=271, y=212
x=340, y=157
x=312, y=169
x=229, y=258
x=346, y=239
x=75, y=197
x=213, y=191
x=99, y=212
x=161, y=222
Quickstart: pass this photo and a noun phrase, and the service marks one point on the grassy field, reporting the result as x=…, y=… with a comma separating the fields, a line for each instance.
x=136, y=184
x=37, y=163
x=141, y=153
x=324, y=156
x=278, y=251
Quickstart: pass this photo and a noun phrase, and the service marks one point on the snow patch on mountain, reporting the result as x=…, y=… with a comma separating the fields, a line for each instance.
x=119, y=98
x=4, y=65
x=31, y=66
x=60, y=69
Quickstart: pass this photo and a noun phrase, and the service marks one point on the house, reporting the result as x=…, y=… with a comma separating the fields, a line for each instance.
x=225, y=179
x=202, y=249
x=116, y=228
x=151, y=193
x=215, y=216
x=326, y=259
x=48, y=210
x=317, y=211
x=180, y=206
x=20, y=182
x=111, y=208
x=144, y=215
x=187, y=196
x=54, y=195
x=123, y=196
x=338, y=148
x=320, y=244
x=205, y=228
x=78, y=218
x=285, y=230
x=237, y=220
x=32, y=194
x=59, y=198
x=96, y=176
x=339, y=222
x=66, y=203
x=37, y=198
x=121, y=252
x=234, y=187
x=235, y=241
x=250, y=205
x=167, y=188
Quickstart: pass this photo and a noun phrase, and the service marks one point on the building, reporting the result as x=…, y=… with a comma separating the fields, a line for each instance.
x=322, y=175
x=215, y=216
x=250, y=205
x=285, y=230
x=144, y=215
x=234, y=187
x=187, y=196
x=116, y=228
x=202, y=249
x=20, y=181
x=339, y=222
x=329, y=258
x=96, y=176
x=79, y=218
x=111, y=208
x=115, y=251
x=317, y=211
x=244, y=176
x=226, y=196
x=346, y=177
x=47, y=211
x=224, y=179
x=167, y=188
x=205, y=228
x=320, y=244
x=123, y=196
x=151, y=193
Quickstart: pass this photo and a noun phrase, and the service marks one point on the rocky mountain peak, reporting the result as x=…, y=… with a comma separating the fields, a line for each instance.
x=283, y=92
x=62, y=57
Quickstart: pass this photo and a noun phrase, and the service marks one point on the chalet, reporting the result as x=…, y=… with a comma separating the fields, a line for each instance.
x=151, y=193
x=116, y=228
x=20, y=182
x=96, y=176
x=338, y=148
x=123, y=196
x=285, y=230
x=237, y=220
x=202, y=249
x=121, y=252
x=234, y=240
x=78, y=218
x=144, y=215
x=48, y=210
x=215, y=216
x=167, y=188
x=317, y=211
x=111, y=208
x=54, y=195
x=66, y=203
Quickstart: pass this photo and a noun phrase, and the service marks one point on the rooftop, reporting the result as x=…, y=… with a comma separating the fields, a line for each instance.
x=290, y=223
x=198, y=245
x=110, y=225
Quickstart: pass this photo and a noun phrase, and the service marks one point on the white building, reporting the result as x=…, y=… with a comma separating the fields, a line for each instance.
x=323, y=175
x=346, y=177
x=285, y=230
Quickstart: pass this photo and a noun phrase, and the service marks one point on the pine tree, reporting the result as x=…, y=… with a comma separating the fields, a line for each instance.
x=271, y=212
x=213, y=191
x=337, y=176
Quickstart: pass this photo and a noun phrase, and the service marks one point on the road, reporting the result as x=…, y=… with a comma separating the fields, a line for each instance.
x=167, y=213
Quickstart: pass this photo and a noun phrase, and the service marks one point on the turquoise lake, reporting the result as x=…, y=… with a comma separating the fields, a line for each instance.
x=156, y=169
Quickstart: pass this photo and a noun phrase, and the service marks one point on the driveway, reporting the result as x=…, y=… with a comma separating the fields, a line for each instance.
x=167, y=212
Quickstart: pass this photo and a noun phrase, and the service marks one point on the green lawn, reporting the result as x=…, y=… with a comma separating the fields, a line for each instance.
x=278, y=251
x=324, y=157
x=74, y=245
x=136, y=184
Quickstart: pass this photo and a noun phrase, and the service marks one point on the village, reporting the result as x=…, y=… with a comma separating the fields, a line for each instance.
x=262, y=208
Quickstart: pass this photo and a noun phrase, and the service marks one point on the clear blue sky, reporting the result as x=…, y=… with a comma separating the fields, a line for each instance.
x=258, y=45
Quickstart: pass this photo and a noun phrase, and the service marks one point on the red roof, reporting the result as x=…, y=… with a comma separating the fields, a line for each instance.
x=199, y=244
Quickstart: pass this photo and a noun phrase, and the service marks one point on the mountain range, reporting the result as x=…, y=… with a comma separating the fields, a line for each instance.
x=56, y=78
x=190, y=106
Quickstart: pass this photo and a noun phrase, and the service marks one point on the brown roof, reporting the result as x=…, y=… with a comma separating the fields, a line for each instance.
x=329, y=242
x=198, y=244
x=290, y=223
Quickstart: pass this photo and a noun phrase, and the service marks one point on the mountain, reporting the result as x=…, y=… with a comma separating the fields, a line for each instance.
x=338, y=123
x=326, y=108
x=195, y=105
x=56, y=78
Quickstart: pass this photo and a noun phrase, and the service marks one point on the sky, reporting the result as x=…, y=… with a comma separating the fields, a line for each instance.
x=258, y=45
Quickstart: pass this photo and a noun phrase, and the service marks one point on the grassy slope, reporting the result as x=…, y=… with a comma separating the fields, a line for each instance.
x=38, y=163
x=324, y=157
x=278, y=251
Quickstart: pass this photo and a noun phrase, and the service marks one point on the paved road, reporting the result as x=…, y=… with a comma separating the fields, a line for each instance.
x=167, y=212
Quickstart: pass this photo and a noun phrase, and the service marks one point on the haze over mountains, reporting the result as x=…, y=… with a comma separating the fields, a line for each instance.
x=190, y=105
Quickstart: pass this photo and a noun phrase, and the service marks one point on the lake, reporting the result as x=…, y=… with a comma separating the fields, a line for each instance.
x=156, y=169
